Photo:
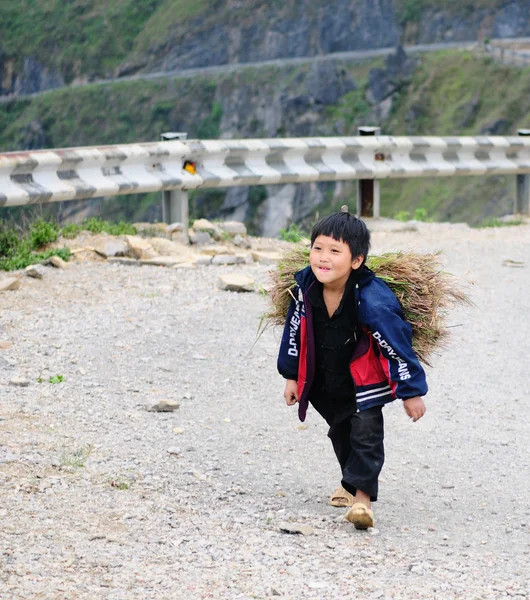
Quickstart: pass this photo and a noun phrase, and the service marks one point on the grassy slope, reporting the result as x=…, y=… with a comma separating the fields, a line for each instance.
x=441, y=92
x=442, y=88
x=91, y=37
x=87, y=36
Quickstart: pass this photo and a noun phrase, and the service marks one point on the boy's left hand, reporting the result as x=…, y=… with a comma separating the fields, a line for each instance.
x=414, y=407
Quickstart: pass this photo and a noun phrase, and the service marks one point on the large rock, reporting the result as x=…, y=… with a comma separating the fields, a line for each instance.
x=140, y=248
x=234, y=282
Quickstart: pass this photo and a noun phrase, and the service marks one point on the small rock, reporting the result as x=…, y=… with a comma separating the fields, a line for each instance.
x=508, y=262
x=19, y=381
x=234, y=282
x=123, y=260
x=178, y=430
x=36, y=271
x=180, y=237
x=275, y=592
x=139, y=248
x=267, y=258
x=175, y=227
x=174, y=450
x=234, y=228
x=214, y=250
x=163, y=261
x=200, y=237
x=224, y=259
x=203, y=225
x=57, y=262
x=166, y=247
x=112, y=247
x=9, y=284
x=241, y=242
x=296, y=528
x=203, y=260
x=165, y=406
x=185, y=265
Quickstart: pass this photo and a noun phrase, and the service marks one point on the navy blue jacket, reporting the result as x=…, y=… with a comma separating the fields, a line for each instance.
x=383, y=366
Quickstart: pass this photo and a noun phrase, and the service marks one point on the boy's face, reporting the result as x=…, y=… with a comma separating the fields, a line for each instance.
x=331, y=261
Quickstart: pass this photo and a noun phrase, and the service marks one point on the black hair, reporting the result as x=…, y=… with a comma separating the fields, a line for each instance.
x=342, y=226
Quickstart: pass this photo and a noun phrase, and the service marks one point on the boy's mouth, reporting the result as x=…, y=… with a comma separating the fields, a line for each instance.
x=325, y=269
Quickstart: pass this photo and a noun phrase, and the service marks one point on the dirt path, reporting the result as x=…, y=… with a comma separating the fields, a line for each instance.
x=100, y=498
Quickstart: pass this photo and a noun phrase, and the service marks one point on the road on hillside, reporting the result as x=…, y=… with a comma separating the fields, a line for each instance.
x=357, y=55
x=102, y=498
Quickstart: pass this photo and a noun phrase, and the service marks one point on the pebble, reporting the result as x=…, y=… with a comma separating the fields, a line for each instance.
x=19, y=381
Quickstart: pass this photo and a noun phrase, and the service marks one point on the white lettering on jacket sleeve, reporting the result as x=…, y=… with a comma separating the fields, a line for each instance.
x=403, y=368
x=294, y=324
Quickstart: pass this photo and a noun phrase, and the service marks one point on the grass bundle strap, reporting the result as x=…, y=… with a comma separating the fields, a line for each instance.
x=425, y=292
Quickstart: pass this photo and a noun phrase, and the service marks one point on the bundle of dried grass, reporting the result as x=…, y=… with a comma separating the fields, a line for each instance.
x=425, y=293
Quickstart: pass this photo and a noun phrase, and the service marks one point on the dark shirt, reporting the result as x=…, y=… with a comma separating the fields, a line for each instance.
x=333, y=391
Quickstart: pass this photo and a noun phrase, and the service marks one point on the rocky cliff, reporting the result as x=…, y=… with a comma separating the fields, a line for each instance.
x=43, y=47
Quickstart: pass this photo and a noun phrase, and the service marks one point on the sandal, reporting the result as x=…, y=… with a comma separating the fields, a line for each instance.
x=361, y=516
x=341, y=498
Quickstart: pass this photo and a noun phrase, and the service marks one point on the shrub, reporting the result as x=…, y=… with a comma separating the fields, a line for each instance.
x=291, y=234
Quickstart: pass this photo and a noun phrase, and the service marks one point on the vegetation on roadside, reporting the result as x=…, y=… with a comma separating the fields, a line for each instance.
x=292, y=234
x=22, y=246
x=76, y=458
x=95, y=225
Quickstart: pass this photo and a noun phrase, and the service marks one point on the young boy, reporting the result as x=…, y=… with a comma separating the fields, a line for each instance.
x=347, y=350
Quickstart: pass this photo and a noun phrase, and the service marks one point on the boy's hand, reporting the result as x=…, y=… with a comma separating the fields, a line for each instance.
x=291, y=392
x=414, y=407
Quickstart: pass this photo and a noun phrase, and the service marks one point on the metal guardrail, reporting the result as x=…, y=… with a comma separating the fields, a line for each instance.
x=78, y=173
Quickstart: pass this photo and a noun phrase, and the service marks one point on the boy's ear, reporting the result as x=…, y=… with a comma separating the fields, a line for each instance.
x=357, y=262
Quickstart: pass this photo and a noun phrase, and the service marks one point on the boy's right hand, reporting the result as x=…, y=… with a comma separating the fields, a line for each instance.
x=291, y=392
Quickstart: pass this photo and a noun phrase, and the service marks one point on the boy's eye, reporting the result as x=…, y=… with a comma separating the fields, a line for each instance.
x=335, y=250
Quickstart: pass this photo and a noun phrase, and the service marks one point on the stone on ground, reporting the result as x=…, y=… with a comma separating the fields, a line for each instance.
x=36, y=271
x=234, y=282
x=139, y=248
x=9, y=284
x=266, y=258
x=233, y=227
x=165, y=406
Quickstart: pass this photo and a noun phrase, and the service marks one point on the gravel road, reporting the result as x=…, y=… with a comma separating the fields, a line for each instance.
x=101, y=498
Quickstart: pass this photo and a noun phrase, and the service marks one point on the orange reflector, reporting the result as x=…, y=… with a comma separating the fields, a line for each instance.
x=190, y=167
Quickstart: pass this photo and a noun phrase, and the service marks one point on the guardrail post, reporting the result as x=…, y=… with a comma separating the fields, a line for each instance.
x=522, y=196
x=175, y=206
x=368, y=189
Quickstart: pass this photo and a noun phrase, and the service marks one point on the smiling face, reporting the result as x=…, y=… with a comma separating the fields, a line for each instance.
x=331, y=261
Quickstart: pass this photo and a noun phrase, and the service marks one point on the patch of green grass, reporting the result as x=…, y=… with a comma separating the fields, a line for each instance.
x=420, y=214
x=120, y=482
x=20, y=247
x=56, y=379
x=291, y=234
x=76, y=458
x=495, y=222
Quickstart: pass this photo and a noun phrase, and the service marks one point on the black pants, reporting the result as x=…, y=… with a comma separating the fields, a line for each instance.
x=358, y=444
